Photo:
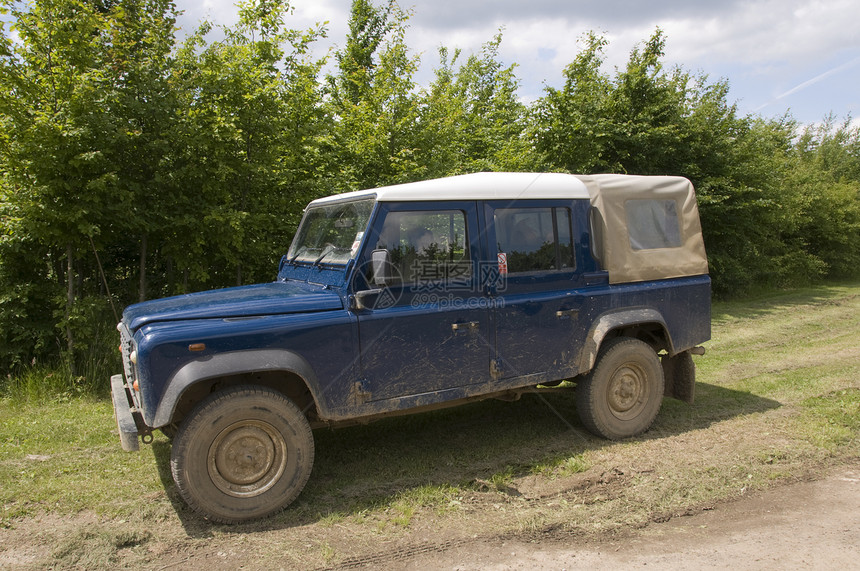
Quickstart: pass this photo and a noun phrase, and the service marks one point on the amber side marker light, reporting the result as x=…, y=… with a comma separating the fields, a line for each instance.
x=197, y=346
x=135, y=386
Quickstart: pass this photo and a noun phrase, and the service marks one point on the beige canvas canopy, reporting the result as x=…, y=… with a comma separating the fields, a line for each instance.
x=646, y=227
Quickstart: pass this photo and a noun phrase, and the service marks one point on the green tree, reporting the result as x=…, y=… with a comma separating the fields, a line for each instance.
x=824, y=186
x=54, y=173
x=744, y=211
x=646, y=120
x=138, y=39
x=633, y=122
x=368, y=27
x=647, y=112
x=84, y=106
x=372, y=101
x=572, y=126
x=246, y=146
x=471, y=118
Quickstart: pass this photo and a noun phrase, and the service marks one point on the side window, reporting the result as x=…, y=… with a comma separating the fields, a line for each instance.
x=427, y=246
x=534, y=239
x=652, y=224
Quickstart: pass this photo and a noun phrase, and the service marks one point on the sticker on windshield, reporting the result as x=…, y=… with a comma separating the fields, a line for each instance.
x=356, y=244
x=503, y=263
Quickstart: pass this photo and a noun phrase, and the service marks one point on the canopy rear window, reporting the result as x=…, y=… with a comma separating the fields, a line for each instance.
x=646, y=227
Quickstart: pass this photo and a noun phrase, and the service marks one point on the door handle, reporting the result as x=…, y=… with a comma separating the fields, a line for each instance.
x=566, y=313
x=471, y=325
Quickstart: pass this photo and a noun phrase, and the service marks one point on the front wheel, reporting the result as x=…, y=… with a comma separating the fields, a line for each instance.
x=622, y=395
x=242, y=454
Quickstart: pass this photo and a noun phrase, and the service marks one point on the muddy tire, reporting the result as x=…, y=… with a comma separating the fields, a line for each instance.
x=242, y=454
x=622, y=395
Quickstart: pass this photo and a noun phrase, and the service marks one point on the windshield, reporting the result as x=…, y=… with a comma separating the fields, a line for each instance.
x=331, y=233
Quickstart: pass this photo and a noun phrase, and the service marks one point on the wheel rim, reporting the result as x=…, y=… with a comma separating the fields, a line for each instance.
x=628, y=391
x=247, y=458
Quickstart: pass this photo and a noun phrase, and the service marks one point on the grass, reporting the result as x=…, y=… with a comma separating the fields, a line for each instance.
x=62, y=457
x=832, y=421
x=43, y=382
x=777, y=399
x=88, y=549
x=97, y=357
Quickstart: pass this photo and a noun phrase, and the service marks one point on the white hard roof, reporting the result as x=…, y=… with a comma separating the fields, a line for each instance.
x=478, y=186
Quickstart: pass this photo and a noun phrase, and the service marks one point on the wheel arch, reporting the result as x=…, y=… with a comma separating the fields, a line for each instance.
x=645, y=324
x=283, y=371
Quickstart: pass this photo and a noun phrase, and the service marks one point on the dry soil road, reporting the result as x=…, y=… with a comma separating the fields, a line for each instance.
x=809, y=525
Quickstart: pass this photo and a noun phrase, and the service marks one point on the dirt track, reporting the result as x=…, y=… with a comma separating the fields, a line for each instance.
x=810, y=525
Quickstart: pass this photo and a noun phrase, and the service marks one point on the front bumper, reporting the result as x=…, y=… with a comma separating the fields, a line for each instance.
x=124, y=414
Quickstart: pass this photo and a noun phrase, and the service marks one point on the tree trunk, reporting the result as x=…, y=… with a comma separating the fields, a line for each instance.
x=142, y=286
x=70, y=300
x=171, y=289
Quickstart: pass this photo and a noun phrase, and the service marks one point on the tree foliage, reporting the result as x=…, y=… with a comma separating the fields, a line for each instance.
x=758, y=213
x=470, y=118
x=133, y=166
x=371, y=100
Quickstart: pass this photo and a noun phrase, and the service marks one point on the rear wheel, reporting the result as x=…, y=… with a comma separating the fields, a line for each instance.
x=622, y=395
x=242, y=454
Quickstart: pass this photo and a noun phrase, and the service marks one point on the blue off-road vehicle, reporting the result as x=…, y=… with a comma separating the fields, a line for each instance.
x=413, y=297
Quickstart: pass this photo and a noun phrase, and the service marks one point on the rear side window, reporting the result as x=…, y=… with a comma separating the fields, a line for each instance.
x=652, y=224
x=534, y=239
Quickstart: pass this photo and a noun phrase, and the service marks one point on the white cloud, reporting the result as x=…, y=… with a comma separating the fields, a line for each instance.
x=764, y=47
x=767, y=31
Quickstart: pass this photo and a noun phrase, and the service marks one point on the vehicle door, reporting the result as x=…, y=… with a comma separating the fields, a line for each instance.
x=540, y=295
x=424, y=325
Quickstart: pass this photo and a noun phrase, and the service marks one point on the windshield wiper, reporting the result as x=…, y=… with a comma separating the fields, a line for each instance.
x=292, y=261
x=323, y=255
x=328, y=251
x=329, y=248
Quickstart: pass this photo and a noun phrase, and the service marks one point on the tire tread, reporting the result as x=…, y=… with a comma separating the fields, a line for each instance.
x=209, y=412
x=593, y=412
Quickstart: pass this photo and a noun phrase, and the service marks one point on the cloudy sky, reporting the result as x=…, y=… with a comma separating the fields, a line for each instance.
x=778, y=55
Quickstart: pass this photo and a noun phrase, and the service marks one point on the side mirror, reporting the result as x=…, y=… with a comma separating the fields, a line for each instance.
x=380, y=263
